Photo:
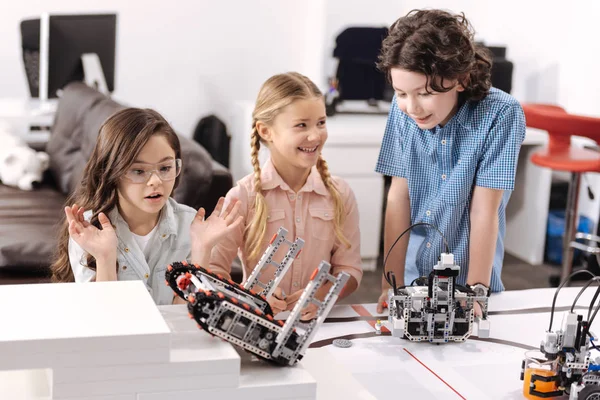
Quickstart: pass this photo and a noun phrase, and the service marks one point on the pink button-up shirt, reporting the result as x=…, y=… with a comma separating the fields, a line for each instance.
x=308, y=215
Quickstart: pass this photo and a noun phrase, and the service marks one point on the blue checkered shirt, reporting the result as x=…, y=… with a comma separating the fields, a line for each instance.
x=479, y=146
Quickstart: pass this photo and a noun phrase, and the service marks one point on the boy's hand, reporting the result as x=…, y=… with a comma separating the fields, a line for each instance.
x=477, y=309
x=206, y=233
x=100, y=243
x=382, y=301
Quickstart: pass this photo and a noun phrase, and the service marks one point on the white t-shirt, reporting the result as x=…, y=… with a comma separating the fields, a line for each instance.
x=142, y=241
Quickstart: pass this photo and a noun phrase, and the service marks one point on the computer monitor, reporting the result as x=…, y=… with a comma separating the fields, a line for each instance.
x=69, y=48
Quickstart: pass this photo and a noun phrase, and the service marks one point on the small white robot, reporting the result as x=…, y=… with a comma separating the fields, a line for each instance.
x=438, y=310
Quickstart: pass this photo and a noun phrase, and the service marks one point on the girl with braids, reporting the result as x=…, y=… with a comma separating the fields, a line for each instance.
x=134, y=228
x=293, y=189
x=451, y=146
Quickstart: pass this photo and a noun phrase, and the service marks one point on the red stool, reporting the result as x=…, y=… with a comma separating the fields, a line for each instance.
x=561, y=156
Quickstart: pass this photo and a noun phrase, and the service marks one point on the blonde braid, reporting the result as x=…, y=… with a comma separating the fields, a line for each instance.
x=256, y=229
x=339, y=211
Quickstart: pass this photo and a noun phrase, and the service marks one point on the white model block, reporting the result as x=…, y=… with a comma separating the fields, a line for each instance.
x=144, y=385
x=73, y=318
x=126, y=358
x=193, y=353
x=258, y=381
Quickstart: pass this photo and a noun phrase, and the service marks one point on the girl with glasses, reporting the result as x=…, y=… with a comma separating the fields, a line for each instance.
x=132, y=228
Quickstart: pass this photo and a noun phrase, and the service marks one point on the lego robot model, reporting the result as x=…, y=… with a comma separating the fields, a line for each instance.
x=564, y=364
x=242, y=316
x=440, y=312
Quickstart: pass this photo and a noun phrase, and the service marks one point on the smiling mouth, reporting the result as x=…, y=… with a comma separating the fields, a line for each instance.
x=422, y=119
x=308, y=149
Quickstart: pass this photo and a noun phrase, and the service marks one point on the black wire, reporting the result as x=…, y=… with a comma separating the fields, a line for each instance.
x=593, y=316
x=560, y=287
x=400, y=237
x=594, y=279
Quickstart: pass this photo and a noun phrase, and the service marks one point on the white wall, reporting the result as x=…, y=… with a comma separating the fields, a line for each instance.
x=531, y=30
x=185, y=58
x=189, y=58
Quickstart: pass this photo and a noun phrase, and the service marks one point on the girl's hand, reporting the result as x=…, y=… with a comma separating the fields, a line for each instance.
x=100, y=243
x=206, y=233
x=309, y=312
x=277, y=301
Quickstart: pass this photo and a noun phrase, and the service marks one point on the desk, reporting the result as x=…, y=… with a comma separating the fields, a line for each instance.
x=118, y=345
x=28, y=119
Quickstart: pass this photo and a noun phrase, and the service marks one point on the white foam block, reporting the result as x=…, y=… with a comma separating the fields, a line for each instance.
x=196, y=361
x=33, y=385
x=258, y=380
x=76, y=317
x=145, y=385
x=128, y=358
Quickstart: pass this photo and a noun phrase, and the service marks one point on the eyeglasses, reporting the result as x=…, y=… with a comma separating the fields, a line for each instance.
x=166, y=171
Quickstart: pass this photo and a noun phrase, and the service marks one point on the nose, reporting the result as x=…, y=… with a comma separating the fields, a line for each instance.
x=412, y=106
x=316, y=134
x=154, y=179
x=36, y=184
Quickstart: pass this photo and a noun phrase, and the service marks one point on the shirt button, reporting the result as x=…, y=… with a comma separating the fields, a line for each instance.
x=164, y=235
x=146, y=275
x=299, y=197
x=126, y=249
x=292, y=196
x=298, y=219
x=444, y=177
x=124, y=267
x=268, y=217
x=428, y=245
x=428, y=213
x=296, y=284
x=327, y=214
x=458, y=161
x=443, y=141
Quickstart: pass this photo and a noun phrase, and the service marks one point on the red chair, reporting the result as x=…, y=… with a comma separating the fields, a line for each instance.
x=561, y=156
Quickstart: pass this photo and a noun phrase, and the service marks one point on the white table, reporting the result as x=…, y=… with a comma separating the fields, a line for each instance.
x=480, y=369
x=109, y=341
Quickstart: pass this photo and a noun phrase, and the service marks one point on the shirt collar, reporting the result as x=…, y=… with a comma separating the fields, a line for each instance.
x=270, y=179
x=167, y=224
x=462, y=118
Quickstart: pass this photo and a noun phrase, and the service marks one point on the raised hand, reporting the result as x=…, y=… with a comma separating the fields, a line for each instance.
x=100, y=243
x=206, y=233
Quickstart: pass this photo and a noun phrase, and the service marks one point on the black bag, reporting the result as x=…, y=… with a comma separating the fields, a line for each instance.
x=211, y=133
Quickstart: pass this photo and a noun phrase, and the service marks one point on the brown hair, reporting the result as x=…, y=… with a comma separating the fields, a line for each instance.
x=439, y=45
x=276, y=93
x=121, y=138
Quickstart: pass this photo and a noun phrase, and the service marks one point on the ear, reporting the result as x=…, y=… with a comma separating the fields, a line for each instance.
x=44, y=160
x=461, y=83
x=264, y=131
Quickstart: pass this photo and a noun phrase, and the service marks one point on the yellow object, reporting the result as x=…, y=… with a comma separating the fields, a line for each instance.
x=540, y=386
